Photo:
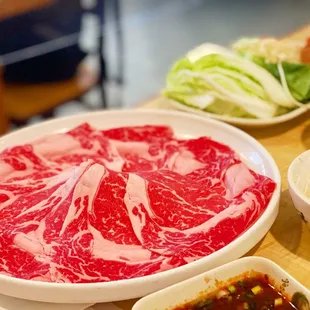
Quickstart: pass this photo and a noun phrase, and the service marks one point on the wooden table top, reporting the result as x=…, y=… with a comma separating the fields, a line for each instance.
x=288, y=241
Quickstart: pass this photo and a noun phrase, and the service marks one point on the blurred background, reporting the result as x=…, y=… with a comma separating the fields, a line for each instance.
x=62, y=57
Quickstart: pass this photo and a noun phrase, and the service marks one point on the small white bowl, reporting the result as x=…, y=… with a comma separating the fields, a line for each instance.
x=299, y=184
x=206, y=283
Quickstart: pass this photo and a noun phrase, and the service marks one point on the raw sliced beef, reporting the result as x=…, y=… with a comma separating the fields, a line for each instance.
x=102, y=205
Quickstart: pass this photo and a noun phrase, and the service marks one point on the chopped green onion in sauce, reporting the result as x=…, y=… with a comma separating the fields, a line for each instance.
x=253, y=293
x=232, y=288
x=256, y=289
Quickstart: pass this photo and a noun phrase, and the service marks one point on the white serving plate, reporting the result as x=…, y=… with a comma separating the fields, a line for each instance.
x=239, y=121
x=205, y=283
x=186, y=126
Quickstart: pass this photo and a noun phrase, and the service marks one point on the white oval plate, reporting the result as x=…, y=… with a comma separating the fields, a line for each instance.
x=185, y=126
x=205, y=283
x=238, y=121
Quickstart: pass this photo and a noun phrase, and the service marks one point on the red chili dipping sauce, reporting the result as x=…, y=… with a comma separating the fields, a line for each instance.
x=249, y=294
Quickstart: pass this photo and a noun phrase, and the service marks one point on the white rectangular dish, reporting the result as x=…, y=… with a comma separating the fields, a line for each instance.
x=189, y=290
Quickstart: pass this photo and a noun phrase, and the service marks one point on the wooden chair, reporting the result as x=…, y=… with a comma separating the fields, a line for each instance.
x=3, y=119
x=10, y=8
x=22, y=101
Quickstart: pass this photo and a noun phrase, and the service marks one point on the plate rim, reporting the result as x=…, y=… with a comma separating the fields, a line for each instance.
x=249, y=122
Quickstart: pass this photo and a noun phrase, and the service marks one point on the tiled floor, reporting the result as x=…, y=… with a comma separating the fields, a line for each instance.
x=157, y=32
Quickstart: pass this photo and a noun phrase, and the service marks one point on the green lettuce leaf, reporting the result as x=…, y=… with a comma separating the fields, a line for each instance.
x=297, y=77
x=209, y=104
x=226, y=85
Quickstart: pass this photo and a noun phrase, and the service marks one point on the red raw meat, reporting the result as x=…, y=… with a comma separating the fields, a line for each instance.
x=96, y=206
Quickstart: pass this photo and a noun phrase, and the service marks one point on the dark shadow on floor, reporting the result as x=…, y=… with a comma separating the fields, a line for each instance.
x=255, y=248
x=287, y=229
x=276, y=130
x=305, y=137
